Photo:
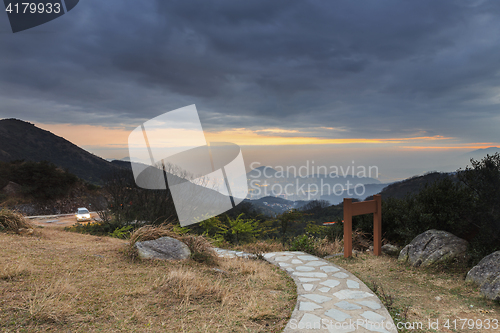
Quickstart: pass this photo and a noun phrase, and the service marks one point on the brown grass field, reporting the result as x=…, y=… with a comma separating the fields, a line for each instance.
x=58, y=281
x=422, y=294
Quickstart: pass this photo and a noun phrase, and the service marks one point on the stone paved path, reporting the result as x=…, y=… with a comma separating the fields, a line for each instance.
x=330, y=299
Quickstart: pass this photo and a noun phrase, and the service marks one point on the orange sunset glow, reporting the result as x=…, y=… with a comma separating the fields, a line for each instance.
x=117, y=137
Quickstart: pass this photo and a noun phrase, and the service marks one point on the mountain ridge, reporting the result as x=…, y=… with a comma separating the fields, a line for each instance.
x=21, y=140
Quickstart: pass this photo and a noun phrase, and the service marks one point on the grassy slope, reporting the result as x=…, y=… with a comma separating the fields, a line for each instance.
x=62, y=281
x=418, y=289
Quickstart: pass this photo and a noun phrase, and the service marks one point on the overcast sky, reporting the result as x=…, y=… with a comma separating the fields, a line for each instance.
x=409, y=73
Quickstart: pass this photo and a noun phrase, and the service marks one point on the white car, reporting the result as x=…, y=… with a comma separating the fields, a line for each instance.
x=83, y=214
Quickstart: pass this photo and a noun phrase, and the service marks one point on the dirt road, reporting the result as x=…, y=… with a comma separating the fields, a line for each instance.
x=64, y=220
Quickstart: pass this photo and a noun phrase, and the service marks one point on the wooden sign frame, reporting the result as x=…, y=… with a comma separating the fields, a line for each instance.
x=359, y=208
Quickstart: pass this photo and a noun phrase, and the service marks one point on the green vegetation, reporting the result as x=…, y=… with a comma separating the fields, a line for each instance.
x=39, y=180
x=466, y=204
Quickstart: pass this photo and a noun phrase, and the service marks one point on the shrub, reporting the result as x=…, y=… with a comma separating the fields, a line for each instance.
x=122, y=232
x=98, y=228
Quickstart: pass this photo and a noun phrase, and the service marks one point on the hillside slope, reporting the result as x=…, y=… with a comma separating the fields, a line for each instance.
x=20, y=140
x=413, y=185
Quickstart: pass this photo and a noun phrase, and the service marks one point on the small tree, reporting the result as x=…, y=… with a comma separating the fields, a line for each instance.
x=286, y=219
x=242, y=227
x=214, y=228
x=483, y=180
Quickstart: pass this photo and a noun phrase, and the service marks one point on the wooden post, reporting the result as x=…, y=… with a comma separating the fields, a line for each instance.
x=347, y=227
x=377, y=226
x=360, y=208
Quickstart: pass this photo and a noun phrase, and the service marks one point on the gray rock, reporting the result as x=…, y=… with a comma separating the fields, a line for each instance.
x=163, y=248
x=487, y=275
x=432, y=247
x=390, y=249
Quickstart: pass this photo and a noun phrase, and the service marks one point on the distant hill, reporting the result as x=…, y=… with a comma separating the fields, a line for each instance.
x=20, y=140
x=413, y=185
x=296, y=185
x=479, y=154
x=272, y=206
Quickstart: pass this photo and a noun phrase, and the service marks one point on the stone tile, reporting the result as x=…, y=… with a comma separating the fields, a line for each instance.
x=296, y=261
x=317, y=298
x=310, y=274
x=341, y=275
x=316, y=263
x=283, y=264
x=269, y=255
x=297, y=252
x=337, y=315
x=308, y=286
x=289, y=269
x=309, y=322
x=324, y=289
x=372, y=316
x=329, y=269
x=330, y=283
x=282, y=258
x=307, y=280
x=304, y=268
x=352, y=284
x=309, y=306
x=308, y=258
x=351, y=294
x=347, y=306
x=370, y=304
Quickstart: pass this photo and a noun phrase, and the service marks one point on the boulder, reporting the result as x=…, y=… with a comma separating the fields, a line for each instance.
x=487, y=275
x=432, y=247
x=390, y=249
x=163, y=248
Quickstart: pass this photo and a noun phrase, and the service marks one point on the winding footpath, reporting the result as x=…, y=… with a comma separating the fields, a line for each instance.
x=330, y=299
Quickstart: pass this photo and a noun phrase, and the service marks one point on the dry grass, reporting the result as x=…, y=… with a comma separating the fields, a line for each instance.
x=325, y=247
x=13, y=269
x=70, y=282
x=51, y=303
x=260, y=247
x=14, y=222
x=420, y=294
x=150, y=232
x=188, y=285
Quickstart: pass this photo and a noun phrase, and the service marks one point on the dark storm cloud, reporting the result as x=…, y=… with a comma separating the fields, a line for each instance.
x=367, y=66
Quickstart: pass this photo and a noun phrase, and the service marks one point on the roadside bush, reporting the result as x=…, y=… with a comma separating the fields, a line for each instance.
x=97, y=229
